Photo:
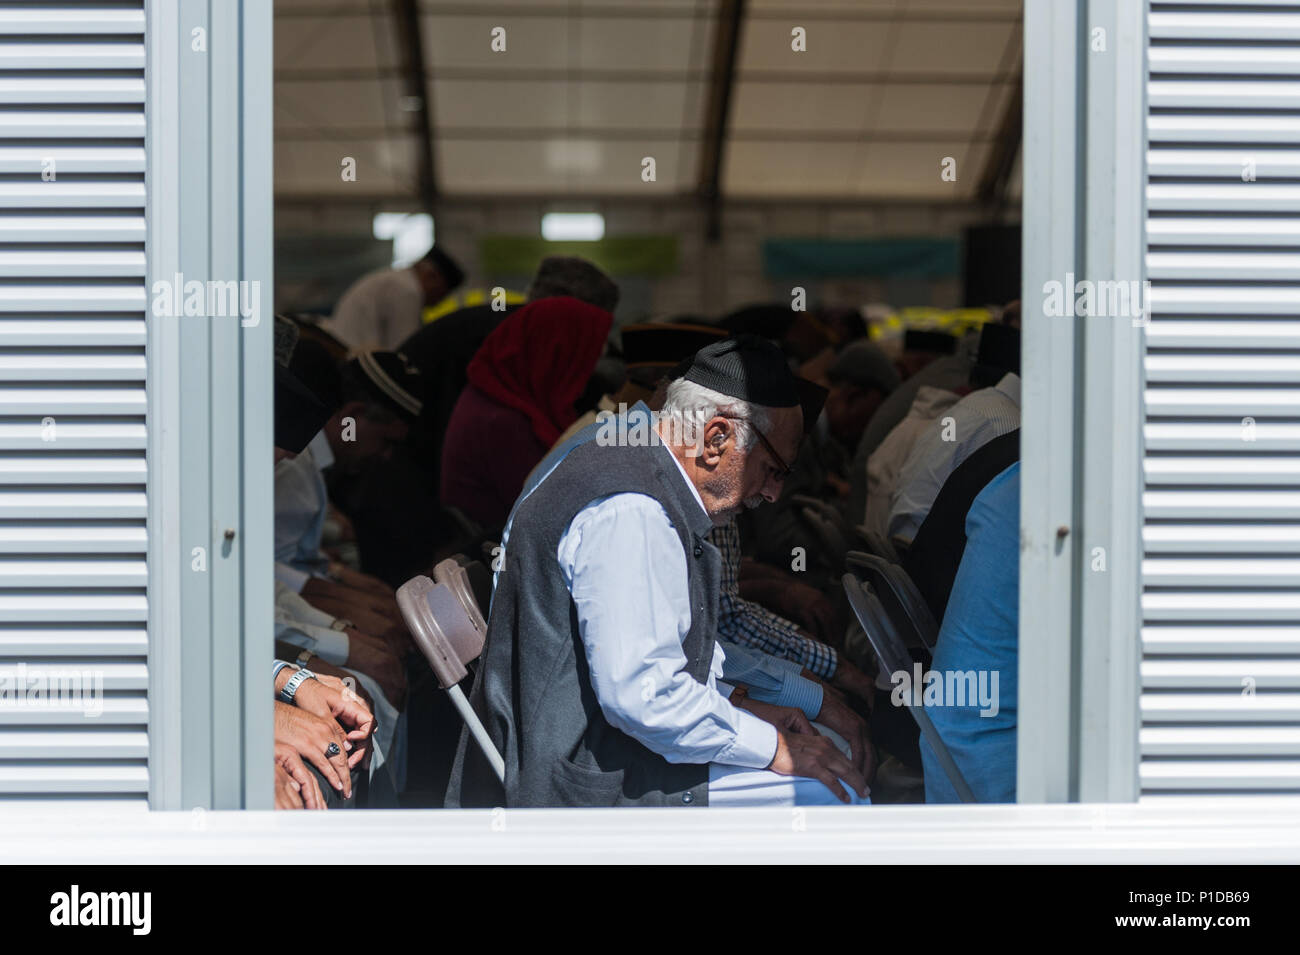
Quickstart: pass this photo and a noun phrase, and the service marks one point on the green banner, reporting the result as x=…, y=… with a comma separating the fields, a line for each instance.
x=621, y=255
x=861, y=258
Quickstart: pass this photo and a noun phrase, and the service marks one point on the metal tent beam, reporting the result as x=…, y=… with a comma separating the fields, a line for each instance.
x=726, y=42
x=410, y=43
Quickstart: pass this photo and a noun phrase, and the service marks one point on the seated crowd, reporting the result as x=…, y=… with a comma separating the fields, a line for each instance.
x=665, y=511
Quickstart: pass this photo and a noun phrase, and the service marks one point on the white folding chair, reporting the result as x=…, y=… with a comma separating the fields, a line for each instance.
x=445, y=621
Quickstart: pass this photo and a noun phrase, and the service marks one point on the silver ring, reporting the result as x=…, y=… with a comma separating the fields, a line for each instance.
x=332, y=749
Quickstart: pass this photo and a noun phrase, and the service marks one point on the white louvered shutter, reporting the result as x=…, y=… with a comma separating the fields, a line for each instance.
x=1221, y=575
x=72, y=397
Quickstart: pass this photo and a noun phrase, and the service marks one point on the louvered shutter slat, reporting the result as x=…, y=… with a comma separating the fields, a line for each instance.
x=1220, y=678
x=73, y=438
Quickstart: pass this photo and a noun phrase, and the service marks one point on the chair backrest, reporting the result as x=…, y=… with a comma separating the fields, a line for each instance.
x=875, y=544
x=480, y=583
x=884, y=637
x=448, y=635
x=458, y=573
x=894, y=656
x=898, y=595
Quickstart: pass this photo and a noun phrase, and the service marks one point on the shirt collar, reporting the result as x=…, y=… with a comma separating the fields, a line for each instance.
x=689, y=483
x=320, y=451
x=1010, y=386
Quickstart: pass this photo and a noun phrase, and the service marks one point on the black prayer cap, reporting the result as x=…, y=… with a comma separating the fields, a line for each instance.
x=661, y=343
x=299, y=414
x=768, y=320
x=316, y=367
x=915, y=339
x=389, y=377
x=452, y=273
x=746, y=367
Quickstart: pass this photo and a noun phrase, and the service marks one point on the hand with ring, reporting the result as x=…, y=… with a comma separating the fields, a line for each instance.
x=318, y=740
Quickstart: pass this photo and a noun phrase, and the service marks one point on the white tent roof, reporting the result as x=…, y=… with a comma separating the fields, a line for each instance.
x=586, y=89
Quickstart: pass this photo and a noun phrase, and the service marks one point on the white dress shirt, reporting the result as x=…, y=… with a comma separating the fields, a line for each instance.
x=380, y=310
x=633, y=636
x=886, y=462
x=975, y=421
x=769, y=679
x=300, y=505
x=301, y=624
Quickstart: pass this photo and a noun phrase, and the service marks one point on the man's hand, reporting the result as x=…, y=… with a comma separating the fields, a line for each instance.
x=328, y=698
x=310, y=737
x=372, y=657
x=854, y=682
x=837, y=716
x=340, y=677
x=365, y=610
x=286, y=790
x=305, y=788
x=798, y=754
x=786, y=718
x=838, y=485
x=359, y=581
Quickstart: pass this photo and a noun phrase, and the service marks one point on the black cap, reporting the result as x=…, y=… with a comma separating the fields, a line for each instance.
x=746, y=367
x=660, y=343
x=812, y=397
x=576, y=278
x=865, y=365
x=392, y=379
x=916, y=339
x=769, y=321
x=299, y=414
x=451, y=273
x=317, y=367
x=999, y=347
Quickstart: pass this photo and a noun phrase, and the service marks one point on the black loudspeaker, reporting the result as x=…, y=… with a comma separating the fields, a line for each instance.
x=992, y=265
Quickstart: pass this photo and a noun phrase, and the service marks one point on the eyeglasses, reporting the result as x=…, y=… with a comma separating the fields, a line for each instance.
x=783, y=469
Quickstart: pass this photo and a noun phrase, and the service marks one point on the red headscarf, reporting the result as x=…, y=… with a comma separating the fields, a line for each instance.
x=540, y=359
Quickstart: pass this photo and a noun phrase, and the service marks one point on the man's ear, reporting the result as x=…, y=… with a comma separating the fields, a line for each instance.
x=716, y=432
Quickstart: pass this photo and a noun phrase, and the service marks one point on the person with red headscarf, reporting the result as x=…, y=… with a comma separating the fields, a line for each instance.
x=523, y=383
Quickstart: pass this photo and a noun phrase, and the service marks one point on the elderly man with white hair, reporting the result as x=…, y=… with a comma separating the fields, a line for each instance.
x=599, y=679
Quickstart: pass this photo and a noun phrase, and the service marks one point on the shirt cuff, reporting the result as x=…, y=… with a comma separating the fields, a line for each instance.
x=790, y=666
x=330, y=645
x=291, y=577
x=754, y=746
x=801, y=693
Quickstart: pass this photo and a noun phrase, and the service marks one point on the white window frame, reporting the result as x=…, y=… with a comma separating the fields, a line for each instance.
x=1081, y=457
x=1083, y=214
x=208, y=144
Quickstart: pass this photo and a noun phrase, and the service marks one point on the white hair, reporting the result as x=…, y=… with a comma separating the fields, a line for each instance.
x=689, y=407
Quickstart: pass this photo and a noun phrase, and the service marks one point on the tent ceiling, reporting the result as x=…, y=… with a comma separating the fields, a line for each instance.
x=586, y=89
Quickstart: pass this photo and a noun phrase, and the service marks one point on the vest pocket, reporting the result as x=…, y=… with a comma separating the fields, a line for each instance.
x=572, y=785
